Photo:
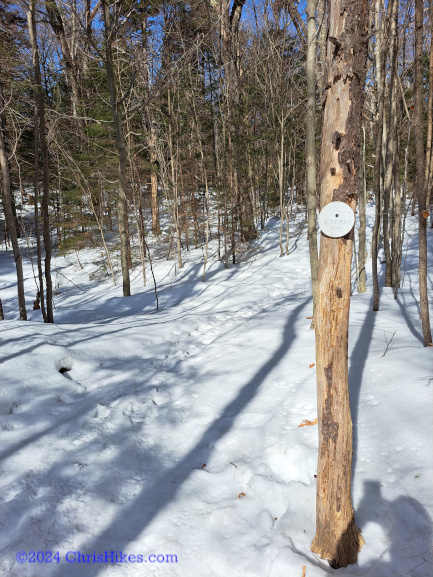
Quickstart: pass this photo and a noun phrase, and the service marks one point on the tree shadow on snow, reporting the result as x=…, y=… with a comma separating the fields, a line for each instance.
x=403, y=308
x=403, y=546
x=143, y=509
x=408, y=530
x=358, y=360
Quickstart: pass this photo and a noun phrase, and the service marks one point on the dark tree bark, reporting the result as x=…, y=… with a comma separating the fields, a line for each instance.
x=420, y=174
x=337, y=537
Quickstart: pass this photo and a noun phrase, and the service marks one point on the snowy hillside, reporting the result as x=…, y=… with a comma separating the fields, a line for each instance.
x=176, y=433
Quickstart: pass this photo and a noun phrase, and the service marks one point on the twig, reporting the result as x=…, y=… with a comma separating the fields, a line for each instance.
x=151, y=270
x=78, y=258
x=388, y=343
x=58, y=272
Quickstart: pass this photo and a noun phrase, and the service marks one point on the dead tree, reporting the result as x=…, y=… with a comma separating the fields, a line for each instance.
x=337, y=537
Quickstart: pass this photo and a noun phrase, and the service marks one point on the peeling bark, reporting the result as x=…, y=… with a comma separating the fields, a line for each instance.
x=337, y=537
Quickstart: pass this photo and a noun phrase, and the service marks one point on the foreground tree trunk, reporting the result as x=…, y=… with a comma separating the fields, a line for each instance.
x=420, y=174
x=337, y=537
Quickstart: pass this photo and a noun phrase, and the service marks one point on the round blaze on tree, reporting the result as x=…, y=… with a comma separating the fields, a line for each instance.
x=337, y=537
x=336, y=219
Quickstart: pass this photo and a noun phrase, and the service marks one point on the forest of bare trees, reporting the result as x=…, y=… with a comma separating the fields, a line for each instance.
x=191, y=122
x=207, y=115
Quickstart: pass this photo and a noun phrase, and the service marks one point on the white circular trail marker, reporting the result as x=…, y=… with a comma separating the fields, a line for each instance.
x=336, y=219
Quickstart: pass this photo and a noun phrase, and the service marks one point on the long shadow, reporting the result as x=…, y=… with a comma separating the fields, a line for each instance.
x=408, y=526
x=408, y=320
x=91, y=397
x=358, y=359
x=407, y=547
x=140, y=512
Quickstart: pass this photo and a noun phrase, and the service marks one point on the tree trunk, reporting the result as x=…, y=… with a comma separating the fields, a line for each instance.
x=281, y=183
x=420, y=173
x=337, y=537
x=429, y=151
x=397, y=228
x=310, y=146
x=174, y=173
x=10, y=221
x=362, y=253
x=56, y=20
x=390, y=145
x=154, y=183
x=380, y=58
x=40, y=109
x=7, y=150
x=229, y=21
x=37, y=220
x=121, y=149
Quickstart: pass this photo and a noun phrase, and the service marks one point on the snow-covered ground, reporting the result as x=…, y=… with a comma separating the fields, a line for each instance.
x=177, y=432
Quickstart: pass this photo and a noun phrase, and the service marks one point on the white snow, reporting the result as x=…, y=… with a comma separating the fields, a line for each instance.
x=177, y=432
